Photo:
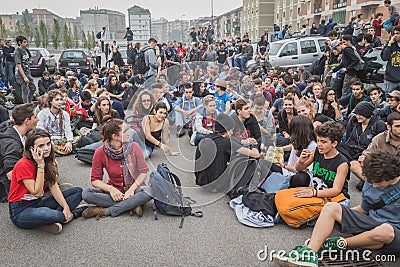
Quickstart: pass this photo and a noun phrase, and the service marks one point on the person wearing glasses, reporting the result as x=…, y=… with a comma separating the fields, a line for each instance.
x=185, y=109
x=330, y=104
x=156, y=131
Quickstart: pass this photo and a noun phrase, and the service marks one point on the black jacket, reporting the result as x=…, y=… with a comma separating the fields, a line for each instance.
x=248, y=128
x=356, y=138
x=11, y=149
x=117, y=58
x=44, y=85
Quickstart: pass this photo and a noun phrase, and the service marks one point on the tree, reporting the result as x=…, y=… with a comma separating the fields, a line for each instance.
x=18, y=29
x=56, y=34
x=44, y=33
x=65, y=36
x=92, y=44
x=84, y=40
x=26, y=20
x=76, y=37
x=37, y=37
x=3, y=31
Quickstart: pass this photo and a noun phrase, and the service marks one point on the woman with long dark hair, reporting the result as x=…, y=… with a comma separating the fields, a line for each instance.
x=126, y=169
x=114, y=87
x=103, y=108
x=331, y=104
x=32, y=174
x=156, y=130
x=142, y=107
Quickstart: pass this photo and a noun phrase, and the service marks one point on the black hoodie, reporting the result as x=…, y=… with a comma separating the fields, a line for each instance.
x=247, y=129
x=11, y=148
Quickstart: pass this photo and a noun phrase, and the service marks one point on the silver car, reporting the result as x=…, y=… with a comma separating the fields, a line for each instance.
x=294, y=52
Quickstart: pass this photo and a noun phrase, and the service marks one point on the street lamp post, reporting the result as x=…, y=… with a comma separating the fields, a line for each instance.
x=182, y=34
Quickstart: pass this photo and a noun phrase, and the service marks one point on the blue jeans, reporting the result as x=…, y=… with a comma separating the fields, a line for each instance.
x=390, y=86
x=236, y=62
x=198, y=138
x=9, y=74
x=115, y=208
x=2, y=70
x=44, y=210
x=243, y=61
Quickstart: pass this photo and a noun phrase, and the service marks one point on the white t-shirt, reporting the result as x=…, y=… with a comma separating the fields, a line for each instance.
x=293, y=158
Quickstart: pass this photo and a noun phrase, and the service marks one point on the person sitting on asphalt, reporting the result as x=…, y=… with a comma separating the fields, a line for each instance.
x=12, y=143
x=393, y=105
x=30, y=176
x=246, y=131
x=185, y=109
x=210, y=164
x=330, y=169
x=44, y=83
x=156, y=130
x=350, y=101
x=127, y=172
x=360, y=130
x=204, y=121
x=389, y=141
x=375, y=224
x=57, y=123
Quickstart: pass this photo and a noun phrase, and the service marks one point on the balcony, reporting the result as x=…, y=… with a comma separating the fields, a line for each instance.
x=339, y=4
x=318, y=6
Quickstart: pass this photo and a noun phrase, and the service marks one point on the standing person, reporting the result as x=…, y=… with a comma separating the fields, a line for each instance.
x=8, y=50
x=389, y=54
x=222, y=54
x=131, y=53
x=127, y=170
x=321, y=28
x=314, y=29
x=31, y=175
x=128, y=35
x=97, y=54
x=349, y=62
x=210, y=34
x=23, y=74
x=193, y=36
x=12, y=141
x=102, y=37
x=151, y=62
x=377, y=24
x=357, y=26
x=2, y=59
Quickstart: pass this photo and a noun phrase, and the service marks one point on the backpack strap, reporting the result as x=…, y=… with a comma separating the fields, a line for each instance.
x=197, y=214
x=387, y=199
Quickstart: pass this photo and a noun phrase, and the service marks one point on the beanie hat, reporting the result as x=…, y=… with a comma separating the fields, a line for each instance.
x=223, y=123
x=365, y=109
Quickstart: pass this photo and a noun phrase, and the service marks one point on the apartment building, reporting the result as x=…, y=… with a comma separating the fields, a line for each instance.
x=139, y=20
x=159, y=29
x=257, y=18
x=93, y=20
x=227, y=25
x=288, y=12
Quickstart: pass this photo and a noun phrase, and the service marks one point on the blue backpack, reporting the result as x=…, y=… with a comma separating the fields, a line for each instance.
x=167, y=195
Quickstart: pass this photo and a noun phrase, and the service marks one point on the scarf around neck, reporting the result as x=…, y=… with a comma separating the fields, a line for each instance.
x=123, y=154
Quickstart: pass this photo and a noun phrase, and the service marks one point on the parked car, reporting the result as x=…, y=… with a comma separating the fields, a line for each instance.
x=294, y=52
x=76, y=58
x=42, y=61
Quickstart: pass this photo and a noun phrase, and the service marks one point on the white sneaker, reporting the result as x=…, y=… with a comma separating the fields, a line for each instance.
x=54, y=228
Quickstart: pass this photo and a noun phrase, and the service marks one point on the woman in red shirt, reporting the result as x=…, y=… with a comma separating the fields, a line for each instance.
x=127, y=171
x=30, y=176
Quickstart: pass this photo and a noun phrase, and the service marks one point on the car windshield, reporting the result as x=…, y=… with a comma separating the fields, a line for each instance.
x=73, y=54
x=273, y=50
x=33, y=53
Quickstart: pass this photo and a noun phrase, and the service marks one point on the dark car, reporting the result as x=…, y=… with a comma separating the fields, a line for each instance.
x=42, y=61
x=76, y=58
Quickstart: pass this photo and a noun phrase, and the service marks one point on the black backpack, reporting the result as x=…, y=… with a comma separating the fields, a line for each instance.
x=85, y=154
x=318, y=66
x=167, y=194
x=348, y=30
x=140, y=63
x=98, y=35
